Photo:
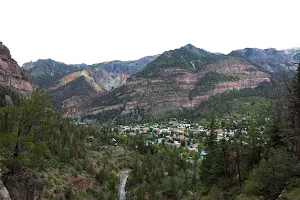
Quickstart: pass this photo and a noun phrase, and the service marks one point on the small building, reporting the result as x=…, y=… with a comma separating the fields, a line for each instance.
x=172, y=145
x=192, y=148
x=178, y=138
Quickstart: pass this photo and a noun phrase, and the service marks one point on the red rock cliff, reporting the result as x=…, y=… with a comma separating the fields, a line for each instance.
x=11, y=74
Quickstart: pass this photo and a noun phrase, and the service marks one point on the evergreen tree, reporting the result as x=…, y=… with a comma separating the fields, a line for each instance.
x=290, y=132
x=211, y=137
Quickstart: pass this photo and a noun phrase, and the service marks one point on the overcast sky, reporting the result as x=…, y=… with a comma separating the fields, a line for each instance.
x=93, y=31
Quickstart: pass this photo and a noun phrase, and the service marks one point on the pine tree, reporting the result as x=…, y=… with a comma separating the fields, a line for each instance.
x=211, y=138
x=290, y=132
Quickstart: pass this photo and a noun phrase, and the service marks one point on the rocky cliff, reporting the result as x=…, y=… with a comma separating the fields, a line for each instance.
x=4, y=194
x=11, y=75
x=23, y=185
x=181, y=78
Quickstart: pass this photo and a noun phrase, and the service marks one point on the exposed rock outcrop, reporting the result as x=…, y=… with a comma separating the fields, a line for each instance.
x=11, y=75
x=23, y=185
x=4, y=195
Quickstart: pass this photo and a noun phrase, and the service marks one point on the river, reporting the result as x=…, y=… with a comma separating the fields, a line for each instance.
x=123, y=179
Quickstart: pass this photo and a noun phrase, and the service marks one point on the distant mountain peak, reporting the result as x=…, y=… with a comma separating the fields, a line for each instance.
x=189, y=46
x=192, y=48
x=195, y=50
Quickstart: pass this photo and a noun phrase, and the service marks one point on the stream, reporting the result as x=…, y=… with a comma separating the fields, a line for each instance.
x=123, y=178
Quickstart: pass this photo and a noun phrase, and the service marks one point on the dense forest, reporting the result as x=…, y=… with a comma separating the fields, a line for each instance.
x=260, y=161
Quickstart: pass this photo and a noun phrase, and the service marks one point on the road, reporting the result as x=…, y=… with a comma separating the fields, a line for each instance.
x=123, y=179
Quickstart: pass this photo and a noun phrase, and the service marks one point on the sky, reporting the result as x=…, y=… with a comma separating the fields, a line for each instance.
x=93, y=31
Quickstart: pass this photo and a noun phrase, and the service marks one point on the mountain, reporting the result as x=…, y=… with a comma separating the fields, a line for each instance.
x=277, y=62
x=13, y=80
x=46, y=72
x=75, y=86
x=126, y=91
x=177, y=79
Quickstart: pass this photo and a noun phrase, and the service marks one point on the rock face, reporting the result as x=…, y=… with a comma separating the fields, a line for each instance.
x=11, y=75
x=4, y=195
x=177, y=79
x=23, y=185
x=277, y=62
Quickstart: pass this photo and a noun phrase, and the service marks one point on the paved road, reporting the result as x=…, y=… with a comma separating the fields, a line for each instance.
x=123, y=178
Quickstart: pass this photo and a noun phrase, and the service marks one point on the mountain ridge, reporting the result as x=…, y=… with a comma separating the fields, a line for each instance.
x=177, y=79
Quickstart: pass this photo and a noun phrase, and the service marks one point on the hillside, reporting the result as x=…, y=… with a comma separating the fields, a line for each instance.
x=177, y=79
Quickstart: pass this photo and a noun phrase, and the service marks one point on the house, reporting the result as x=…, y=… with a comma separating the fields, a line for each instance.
x=173, y=145
x=145, y=129
x=192, y=148
x=178, y=138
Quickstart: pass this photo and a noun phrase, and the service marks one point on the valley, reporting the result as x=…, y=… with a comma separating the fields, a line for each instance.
x=185, y=124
